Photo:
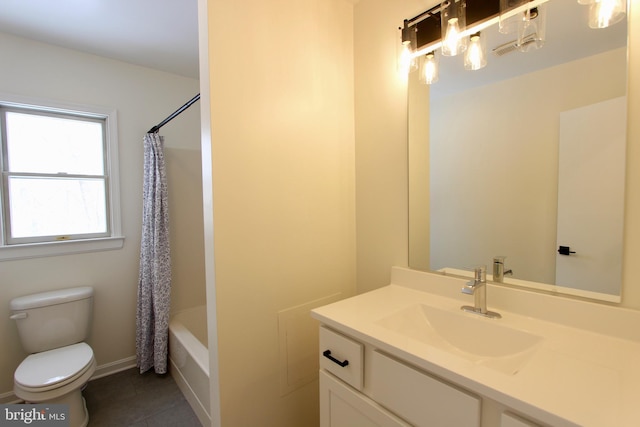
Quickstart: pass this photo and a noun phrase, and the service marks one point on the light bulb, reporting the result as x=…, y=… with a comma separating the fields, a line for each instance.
x=408, y=62
x=450, y=44
x=429, y=69
x=475, y=57
x=453, y=21
x=604, y=13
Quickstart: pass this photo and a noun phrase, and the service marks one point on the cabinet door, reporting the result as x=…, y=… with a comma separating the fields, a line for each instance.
x=342, y=406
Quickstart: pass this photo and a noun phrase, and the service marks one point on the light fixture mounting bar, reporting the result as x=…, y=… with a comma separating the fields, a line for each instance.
x=435, y=10
x=480, y=14
x=428, y=25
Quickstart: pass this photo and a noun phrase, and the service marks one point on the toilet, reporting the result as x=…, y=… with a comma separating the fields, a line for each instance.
x=52, y=327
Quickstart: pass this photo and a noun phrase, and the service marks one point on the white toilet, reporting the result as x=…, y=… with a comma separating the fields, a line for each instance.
x=52, y=326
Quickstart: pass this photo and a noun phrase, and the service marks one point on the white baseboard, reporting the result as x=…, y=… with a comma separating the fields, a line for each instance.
x=101, y=371
x=8, y=398
x=114, y=367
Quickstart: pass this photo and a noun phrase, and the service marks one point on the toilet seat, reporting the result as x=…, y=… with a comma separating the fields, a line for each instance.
x=54, y=368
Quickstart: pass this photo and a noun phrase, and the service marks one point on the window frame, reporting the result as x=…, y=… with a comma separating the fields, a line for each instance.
x=19, y=248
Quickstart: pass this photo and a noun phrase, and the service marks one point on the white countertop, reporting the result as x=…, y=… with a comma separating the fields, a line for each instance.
x=575, y=376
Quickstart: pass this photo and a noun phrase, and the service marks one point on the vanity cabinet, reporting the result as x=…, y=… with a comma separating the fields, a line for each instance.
x=392, y=393
x=361, y=386
x=405, y=354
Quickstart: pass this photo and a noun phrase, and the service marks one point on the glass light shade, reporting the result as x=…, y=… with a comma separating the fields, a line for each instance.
x=429, y=68
x=532, y=29
x=454, y=23
x=509, y=24
x=604, y=13
x=475, y=56
x=407, y=62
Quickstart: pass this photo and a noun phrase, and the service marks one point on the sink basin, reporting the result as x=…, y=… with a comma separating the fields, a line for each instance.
x=483, y=341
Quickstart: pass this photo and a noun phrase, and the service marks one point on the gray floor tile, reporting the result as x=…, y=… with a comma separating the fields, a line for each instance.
x=132, y=399
x=179, y=416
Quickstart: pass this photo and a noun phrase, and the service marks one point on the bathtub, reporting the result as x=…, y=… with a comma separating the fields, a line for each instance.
x=189, y=358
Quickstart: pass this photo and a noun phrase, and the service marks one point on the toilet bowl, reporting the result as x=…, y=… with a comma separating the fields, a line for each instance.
x=57, y=376
x=59, y=366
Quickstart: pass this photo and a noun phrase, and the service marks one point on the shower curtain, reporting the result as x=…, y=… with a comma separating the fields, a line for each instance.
x=154, y=282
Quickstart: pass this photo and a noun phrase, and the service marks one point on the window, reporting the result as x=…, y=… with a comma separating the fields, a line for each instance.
x=59, y=181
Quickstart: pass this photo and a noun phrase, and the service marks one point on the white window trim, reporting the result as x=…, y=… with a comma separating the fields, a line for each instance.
x=37, y=250
x=116, y=240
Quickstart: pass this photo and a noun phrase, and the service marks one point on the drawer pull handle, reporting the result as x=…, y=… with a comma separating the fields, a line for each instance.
x=327, y=354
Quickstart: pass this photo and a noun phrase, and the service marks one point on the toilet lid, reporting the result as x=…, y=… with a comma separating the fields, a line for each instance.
x=53, y=366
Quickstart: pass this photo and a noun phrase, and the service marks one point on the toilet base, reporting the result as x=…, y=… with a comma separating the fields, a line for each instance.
x=78, y=413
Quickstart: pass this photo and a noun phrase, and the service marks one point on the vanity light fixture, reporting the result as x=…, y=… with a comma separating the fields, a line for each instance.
x=475, y=57
x=447, y=27
x=453, y=16
x=429, y=68
x=444, y=26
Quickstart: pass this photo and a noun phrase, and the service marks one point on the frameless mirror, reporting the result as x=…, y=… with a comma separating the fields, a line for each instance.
x=525, y=159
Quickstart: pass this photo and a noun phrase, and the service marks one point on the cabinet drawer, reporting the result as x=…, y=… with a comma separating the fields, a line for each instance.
x=420, y=398
x=342, y=356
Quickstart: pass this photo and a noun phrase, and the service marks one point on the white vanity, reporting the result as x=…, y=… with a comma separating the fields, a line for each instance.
x=406, y=355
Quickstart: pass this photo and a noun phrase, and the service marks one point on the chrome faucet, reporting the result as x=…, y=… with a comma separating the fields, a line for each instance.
x=478, y=288
x=498, y=269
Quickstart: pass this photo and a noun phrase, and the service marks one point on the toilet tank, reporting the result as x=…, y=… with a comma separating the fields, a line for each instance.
x=53, y=319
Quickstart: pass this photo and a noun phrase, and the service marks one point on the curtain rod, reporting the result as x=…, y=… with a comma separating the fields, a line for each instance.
x=157, y=127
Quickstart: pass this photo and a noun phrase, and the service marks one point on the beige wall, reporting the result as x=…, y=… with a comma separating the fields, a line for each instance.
x=184, y=180
x=282, y=164
x=381, y=139
x=142, y=98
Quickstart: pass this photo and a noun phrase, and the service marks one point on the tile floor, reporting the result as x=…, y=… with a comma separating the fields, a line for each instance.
x=128, y=398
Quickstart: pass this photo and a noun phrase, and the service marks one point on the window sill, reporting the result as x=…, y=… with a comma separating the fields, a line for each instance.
x=37, y=250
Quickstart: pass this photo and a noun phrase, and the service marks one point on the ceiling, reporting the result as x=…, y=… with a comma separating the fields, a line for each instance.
x=160, y=34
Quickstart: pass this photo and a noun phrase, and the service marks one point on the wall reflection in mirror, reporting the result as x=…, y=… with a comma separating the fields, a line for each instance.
x=525, y=156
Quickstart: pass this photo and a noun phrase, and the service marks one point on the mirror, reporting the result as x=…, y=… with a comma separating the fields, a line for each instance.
x=489, y=172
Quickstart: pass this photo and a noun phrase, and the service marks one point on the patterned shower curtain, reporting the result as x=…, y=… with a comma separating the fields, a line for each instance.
x=154, y=282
